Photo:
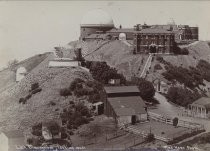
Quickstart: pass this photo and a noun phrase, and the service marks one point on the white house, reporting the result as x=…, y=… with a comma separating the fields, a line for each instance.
x=20, y=73
x=11, y=140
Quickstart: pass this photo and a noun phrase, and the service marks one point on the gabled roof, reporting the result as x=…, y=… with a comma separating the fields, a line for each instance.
x=13, y=134
x=130, y=105
x=121, y=89
x=202, y=101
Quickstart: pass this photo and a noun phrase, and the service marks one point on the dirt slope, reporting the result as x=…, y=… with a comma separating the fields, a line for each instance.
x=18, y=116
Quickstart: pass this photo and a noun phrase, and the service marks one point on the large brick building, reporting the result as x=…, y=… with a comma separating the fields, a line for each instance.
x=146, y=38
x=153, y=40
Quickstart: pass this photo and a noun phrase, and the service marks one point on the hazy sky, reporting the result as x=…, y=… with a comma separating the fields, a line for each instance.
x=28, y=28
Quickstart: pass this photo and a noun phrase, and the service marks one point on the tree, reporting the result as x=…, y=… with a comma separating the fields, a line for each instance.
x=12, y=63
x=53, y=127
x=147, y=90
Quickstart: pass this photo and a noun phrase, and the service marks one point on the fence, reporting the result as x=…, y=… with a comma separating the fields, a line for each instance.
x=181, y=123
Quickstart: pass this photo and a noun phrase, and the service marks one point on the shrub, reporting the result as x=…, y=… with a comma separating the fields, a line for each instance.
x=71, y=102
x=150, y=137
x=37, y=129
x=158, y=67
x=184, y=51
x=36, y=90
x=65, y=92
x=71, y=132
x=28, y=96
x=34, y=86
x=178, y=94
x=22, y=100
x=63, y=135
x=74, y=83
x=147, y=90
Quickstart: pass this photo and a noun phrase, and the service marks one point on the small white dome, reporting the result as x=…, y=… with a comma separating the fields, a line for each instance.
x=97, y=17
x=20, y=73
x=122, y=36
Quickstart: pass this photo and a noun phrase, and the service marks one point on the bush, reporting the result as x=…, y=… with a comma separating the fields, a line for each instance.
x=150, y=137
x=63, y=135
x=184, y=51
x=74, y=83
x=182, y=96
x=158, y=67
x=65, y=92
x=147, y=90
x=28, y=96
x=34, y=86
x=36, y=90
x=22, y=100
x=71, y=102
x=37, y=129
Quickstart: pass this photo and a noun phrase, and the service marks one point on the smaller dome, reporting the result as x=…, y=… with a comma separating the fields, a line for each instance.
x=122, y=36
x=21, y=70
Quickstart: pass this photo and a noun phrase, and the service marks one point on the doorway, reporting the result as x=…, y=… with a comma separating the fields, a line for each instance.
x=153, y=49
x=133, y=119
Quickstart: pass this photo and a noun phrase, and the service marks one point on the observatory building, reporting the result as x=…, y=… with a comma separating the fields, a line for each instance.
x=95, y=21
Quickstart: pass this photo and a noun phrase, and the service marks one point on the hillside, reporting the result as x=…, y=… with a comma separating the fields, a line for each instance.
x=7, y=76
x=38, y=108
x=120, y=56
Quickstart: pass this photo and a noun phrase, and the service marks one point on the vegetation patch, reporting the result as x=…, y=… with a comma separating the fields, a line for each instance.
x=103, y=72
x=182, y=96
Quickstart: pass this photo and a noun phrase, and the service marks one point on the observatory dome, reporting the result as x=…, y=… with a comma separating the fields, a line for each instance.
x=97, y=18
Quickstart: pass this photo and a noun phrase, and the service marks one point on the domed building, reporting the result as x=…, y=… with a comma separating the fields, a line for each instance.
x=95, y=21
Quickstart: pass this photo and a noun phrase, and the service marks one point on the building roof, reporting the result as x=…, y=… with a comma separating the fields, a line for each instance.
x=98, y=18
x=202, y=101
x=121, y=89
x=130, y=105
x=121, y=30
x=13, y=134
x=154, y=31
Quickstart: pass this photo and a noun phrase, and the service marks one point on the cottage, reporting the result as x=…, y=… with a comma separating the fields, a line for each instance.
x=200, y=108
x=125, y=105
x=9, y=141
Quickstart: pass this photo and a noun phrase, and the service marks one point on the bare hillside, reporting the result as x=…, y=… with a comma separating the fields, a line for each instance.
x=38, y=108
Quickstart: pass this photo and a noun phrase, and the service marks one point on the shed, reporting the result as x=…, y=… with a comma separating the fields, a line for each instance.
x=127, y=110
x=10, y=140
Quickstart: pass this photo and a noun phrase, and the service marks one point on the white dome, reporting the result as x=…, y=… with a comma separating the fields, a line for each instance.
x=122, y=36
x=97, y=17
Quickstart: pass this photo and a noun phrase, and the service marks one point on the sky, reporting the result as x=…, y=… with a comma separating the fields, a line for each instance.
x=33, y=27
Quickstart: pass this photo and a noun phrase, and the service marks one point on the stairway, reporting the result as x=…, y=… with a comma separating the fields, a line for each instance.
x=147, y=66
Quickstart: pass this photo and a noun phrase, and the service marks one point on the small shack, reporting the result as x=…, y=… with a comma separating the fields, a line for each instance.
x=125, y=105
x=200, y=108
x=10, y=140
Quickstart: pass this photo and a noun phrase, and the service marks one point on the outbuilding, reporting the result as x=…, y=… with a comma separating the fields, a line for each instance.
x=200, y=108
x=125, y=105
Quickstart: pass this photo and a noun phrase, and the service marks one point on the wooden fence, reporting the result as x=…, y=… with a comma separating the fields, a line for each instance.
x=181, y=123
